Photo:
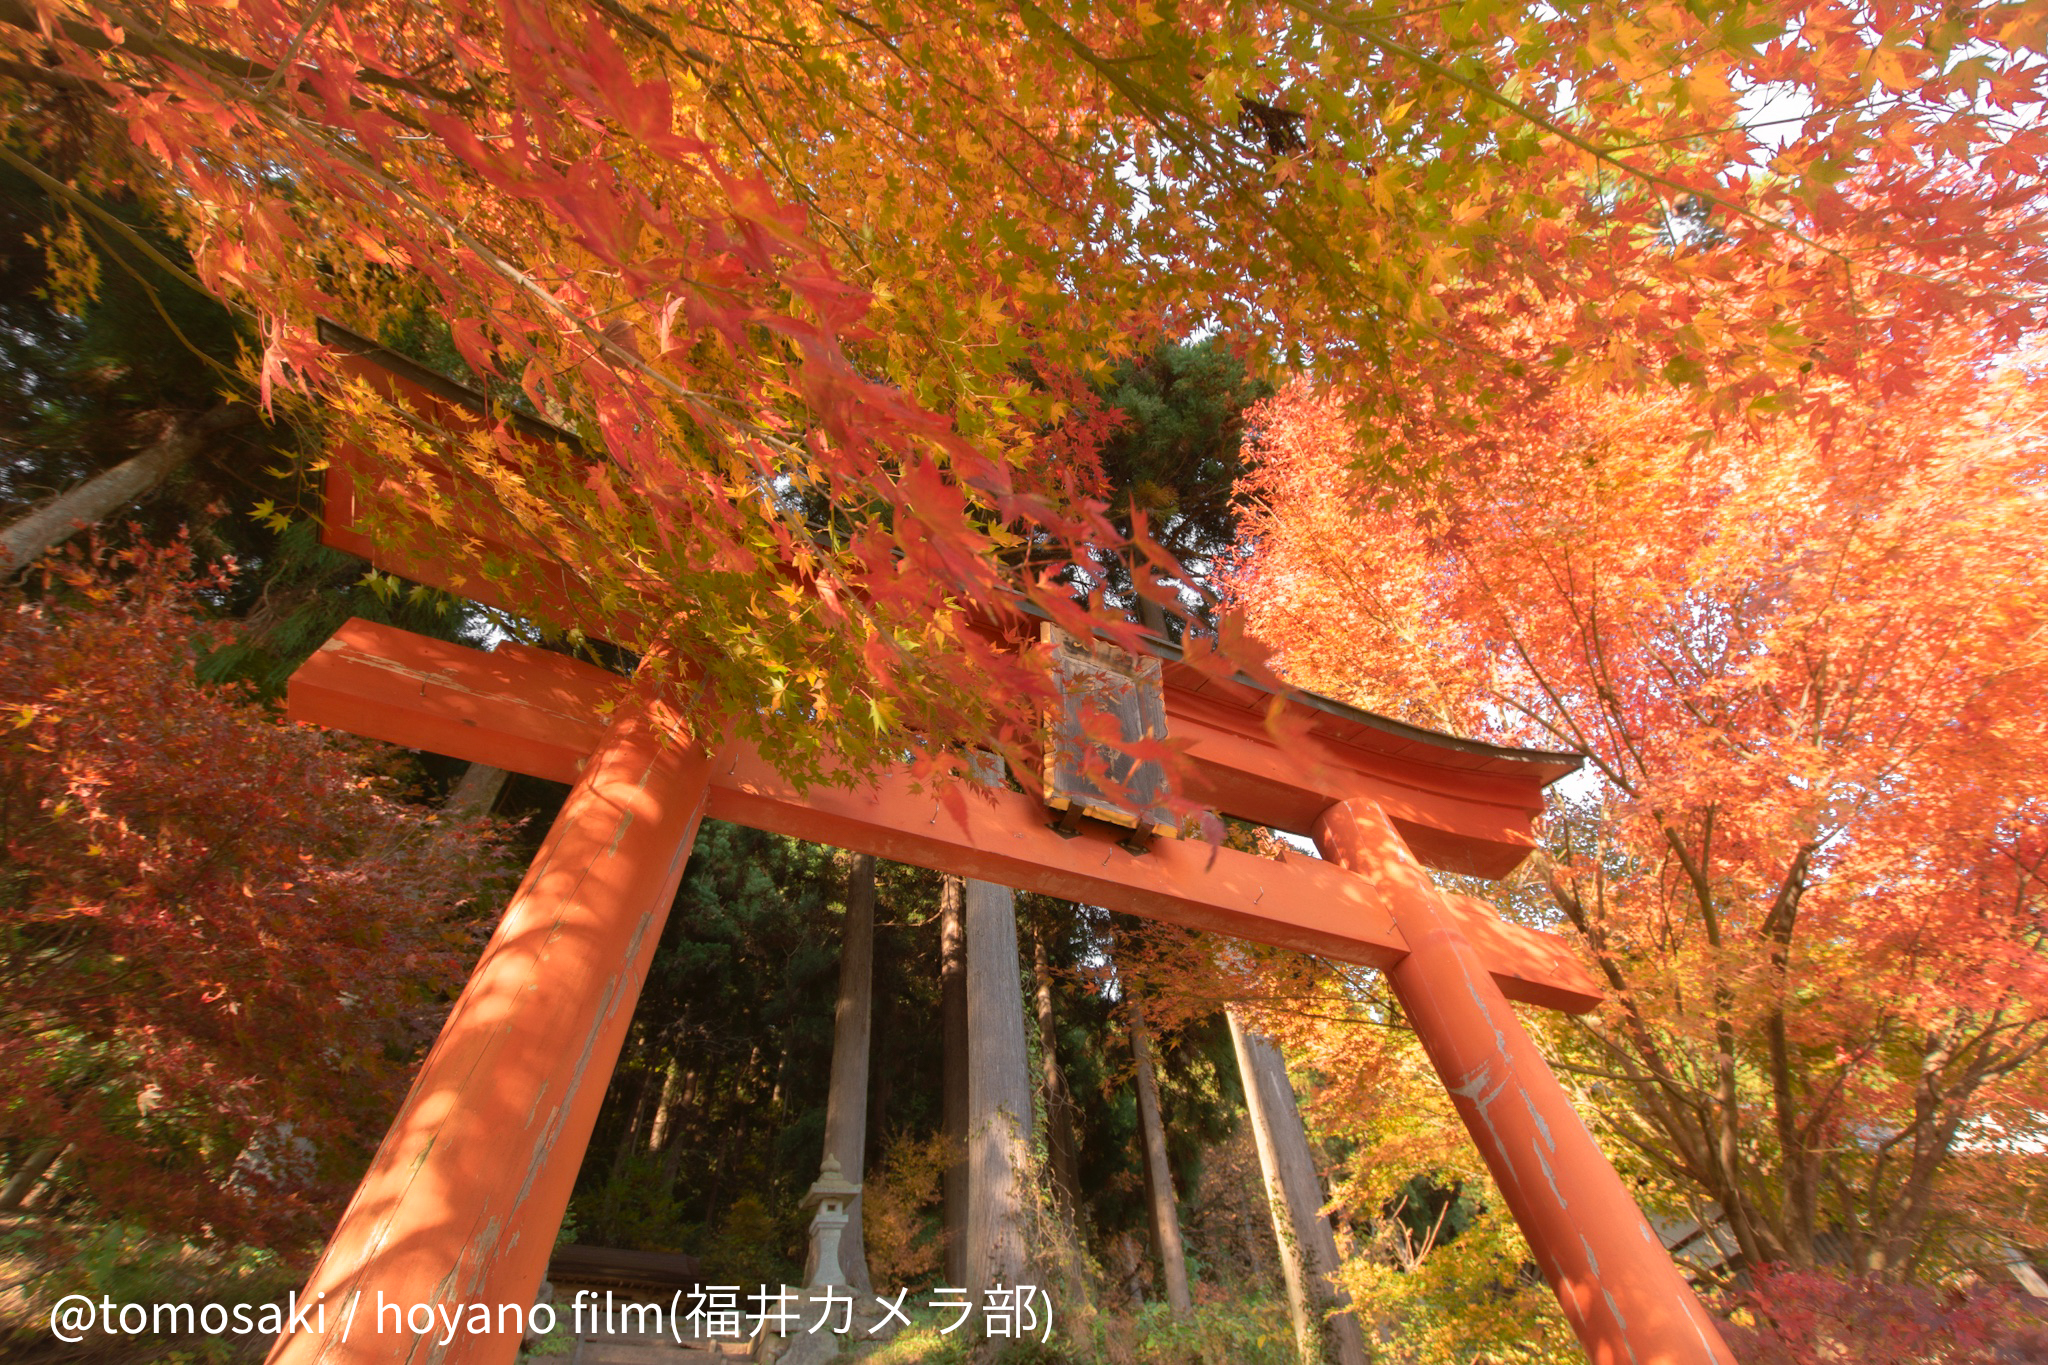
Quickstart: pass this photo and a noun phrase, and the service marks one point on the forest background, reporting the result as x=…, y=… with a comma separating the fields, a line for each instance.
x=1647, y=417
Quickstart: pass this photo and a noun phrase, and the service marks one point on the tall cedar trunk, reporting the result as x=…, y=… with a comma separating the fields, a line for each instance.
x=672, y=1157
x=629, y=1141
x=953, y=1078
x=1173, y=1260
x=665, y=1107
x=1062, y=1147
x=478, y=790
x=1308, y=1250
x=887, y=1021
x=998, y=1093
x=108, y=491
x=846, y=1103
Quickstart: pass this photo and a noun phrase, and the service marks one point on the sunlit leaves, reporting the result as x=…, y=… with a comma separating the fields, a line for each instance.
x=223, y=942
x=1805, y=660
x=784, y=268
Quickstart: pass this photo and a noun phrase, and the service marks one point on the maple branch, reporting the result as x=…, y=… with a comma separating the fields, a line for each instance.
x=156, y=302
x=1778, y=921
x=140, y=39
x=1688, y=1140
x=1573, y=736
x=1559, y=1064
x=1696, y=876
x=1609, y=157
x=1590, y=641
x=1653, y=1151
x=1514, y=106
x=1829, y=110
x=130, y=235
x=1652, y=1074
x=291, y=53
x=638, y=23
x=1196, y=138
x=55, y=77
x=702, y=406
x=706, y=64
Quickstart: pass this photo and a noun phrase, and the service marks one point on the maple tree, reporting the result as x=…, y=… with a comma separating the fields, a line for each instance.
x=750, y=252
x=217, y=974
x=1805, y=664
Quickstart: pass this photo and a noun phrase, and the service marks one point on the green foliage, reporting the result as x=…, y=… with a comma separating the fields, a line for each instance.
x=735, y=1025
x=559, y=1342
x=1479, y=1297
x=1200, y=1099
x=635, y=1207
x=1244, y=1331
x=128, y=1264
x=297, y=592
x=1239, y=1330
x=922, y=1343
x=97, y=343
x=1031, y=1353
x=748, y=1248
x=1433, y=1214
x=1176, y=458
x=900, y=1227
x=99, y=348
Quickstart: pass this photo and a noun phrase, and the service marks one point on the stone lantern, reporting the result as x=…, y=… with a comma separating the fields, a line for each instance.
x=833, y=1195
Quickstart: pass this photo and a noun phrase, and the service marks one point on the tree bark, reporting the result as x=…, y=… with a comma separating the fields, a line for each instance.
x=998, y=1093
x=478, y=790
x=86, y=503
x=1173, y=1260
x=22, y=1181
x=629, y=1141
x=1062, y=1147
x=672, y=1154
x=846, y=1103
x=664, y=1108
x=953, y=1078
x=888, y=1020
x=1308, y=1249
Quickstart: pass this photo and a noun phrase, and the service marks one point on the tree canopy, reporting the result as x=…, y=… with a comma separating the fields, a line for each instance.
x=751, y=251
x=1806, y=673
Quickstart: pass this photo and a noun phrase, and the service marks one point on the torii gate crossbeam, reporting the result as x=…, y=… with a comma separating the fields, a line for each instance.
x=462, y=1201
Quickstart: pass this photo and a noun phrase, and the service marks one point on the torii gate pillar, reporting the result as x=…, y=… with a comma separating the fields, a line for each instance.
x=1612, y=1276
x=462, y=1202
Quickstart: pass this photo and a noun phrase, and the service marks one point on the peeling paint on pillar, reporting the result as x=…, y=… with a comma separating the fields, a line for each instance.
x=507, y=1089
x=1621, y=1293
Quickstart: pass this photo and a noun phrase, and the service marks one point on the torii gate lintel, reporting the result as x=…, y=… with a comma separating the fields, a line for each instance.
x=542, y=714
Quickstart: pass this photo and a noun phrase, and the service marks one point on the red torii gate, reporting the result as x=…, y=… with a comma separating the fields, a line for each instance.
x=461, y=1203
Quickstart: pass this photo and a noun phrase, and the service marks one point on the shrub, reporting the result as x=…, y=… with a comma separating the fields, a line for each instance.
x=1804, y=1317
x=223, y=945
